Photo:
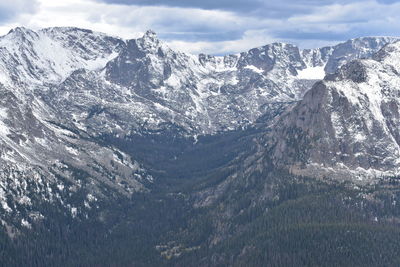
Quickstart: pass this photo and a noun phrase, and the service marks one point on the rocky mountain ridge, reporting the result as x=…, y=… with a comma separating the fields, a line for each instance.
x=64, y=88
x=347, y=126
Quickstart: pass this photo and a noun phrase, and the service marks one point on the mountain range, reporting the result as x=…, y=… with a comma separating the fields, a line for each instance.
x=89, y=120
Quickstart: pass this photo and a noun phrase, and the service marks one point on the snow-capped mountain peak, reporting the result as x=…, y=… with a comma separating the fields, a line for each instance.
x=51, y=55
x=63, y=89
x=348, y=125
x=150, y=35
x=390, y=54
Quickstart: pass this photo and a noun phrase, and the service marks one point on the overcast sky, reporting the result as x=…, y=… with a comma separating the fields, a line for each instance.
x=213, y=26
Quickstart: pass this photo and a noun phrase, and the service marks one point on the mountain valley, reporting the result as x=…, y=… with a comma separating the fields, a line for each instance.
x=126, y=152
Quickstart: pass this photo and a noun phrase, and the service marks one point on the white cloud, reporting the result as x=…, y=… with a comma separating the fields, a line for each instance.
x=17, y=6
x=78, y=13
x=198, y=30
x=250, y=39
x=132, y=21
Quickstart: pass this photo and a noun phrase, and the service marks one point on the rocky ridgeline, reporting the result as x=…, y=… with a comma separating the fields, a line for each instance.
x=62, y=89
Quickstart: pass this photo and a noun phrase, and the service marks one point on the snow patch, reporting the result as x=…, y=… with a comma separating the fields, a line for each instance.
x=26, y=224
x=3, y=113
x=254, y=69
x=72, y=150
x=311, y=73
x=74, y=212
x=5, y=206
x=4, y=130
x=173, y=81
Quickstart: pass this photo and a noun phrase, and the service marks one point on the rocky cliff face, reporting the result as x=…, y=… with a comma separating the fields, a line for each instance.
x=63, y=88
x=44, y=158
x=158, y=88
x=348, y=124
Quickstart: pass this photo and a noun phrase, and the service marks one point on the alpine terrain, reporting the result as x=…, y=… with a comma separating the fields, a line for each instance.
x=121, y=152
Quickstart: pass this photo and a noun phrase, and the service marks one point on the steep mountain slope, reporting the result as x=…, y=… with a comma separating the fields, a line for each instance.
x=41, y=159
x=348, y=124
x=270, y=210
x=63, y=87
x=156, y=88
x=125, y=147
x=332, y=58
x=48, y=56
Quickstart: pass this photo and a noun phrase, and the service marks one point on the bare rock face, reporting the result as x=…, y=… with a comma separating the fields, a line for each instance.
x=63, y=88
x=159, y=88
x=355, y=49
x=347, y=125
x=143, y=62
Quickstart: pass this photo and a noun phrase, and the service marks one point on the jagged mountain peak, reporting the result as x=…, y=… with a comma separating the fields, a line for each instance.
x=72, y=86
x=373, y=41
x=390, y=54
x=50, y=55
x=267, y=57
x=149, y=42
x=67, y=29
x=346, y=126
x=19, y=30
x=150, y=34
x=18, y=37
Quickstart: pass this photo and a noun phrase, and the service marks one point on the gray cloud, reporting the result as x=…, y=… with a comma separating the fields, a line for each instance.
x=388, y=1
x=210, y=36
x=323, y=36
x=242, y=5
x=11, y=9
x=295, y=20
x=216, y=26
x=282, y=8
x=183, y=24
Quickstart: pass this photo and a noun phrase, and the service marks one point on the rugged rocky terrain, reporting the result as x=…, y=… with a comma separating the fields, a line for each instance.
x=96, y=129
x=347, y=126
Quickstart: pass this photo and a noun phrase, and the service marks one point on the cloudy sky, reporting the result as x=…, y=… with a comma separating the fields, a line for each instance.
x=213, y=26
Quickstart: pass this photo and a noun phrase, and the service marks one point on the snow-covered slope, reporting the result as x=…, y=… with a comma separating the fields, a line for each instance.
x=154, y=87
x=41, y=159
x=62, y=89
x=347, y=126
x=143, y=81
x=48, y=56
